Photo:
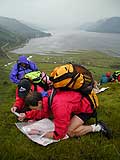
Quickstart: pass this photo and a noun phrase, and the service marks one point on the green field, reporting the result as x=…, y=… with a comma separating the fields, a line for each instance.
x=16, y=146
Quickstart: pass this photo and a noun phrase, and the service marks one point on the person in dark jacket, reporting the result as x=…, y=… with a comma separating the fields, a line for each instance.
x=22, y=67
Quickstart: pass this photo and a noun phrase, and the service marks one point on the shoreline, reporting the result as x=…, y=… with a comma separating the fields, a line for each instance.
x=60, y=53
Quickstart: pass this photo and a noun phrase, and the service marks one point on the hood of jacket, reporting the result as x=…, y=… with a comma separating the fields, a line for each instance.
x=23, y=59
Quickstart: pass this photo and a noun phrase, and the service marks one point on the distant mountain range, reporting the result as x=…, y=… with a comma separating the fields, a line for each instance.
x=110, y=25
x=35, y=26
x=14, y=33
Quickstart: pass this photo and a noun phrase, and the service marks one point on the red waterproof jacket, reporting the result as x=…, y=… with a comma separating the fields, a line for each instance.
x=64, y=104
x=19, y=103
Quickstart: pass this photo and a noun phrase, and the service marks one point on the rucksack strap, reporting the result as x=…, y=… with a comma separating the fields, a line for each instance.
x=64, y=76
x=50, y=98
x=93, y=103
x=93, y=106
x=35, y=87
x=73, y=80
x=95, y=116
x=46, y=86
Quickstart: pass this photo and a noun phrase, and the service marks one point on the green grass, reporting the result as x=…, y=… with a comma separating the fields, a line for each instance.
x=16, y=146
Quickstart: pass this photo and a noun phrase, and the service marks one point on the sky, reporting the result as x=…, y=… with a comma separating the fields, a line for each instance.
x=59, y=13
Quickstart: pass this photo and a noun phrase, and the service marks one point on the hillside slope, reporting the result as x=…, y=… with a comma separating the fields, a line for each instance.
x=7, y=37
x=14, y=32
x=110, y=25
x=14, y=145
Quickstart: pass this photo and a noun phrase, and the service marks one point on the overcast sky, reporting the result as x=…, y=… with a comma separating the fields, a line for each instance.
x=59, y=13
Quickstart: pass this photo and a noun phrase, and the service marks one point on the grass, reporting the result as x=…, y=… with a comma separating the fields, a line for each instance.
x=16, y=146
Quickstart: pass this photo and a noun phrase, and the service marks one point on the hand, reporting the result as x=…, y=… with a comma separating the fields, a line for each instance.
x=13, y=109
x=41, y=133
x=34, y=132
x=21, y=117
x=49, y=135
x=31, y=120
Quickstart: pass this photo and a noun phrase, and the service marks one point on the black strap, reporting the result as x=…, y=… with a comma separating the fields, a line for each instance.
x=92, y=106
x=35, y=87
x=64, y=76
x=50, y=98
x=73, y=80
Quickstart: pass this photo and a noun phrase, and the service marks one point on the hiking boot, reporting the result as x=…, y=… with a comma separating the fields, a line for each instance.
x=105, y=130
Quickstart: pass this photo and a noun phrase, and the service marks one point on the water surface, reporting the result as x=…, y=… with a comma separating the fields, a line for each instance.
x=61, y=41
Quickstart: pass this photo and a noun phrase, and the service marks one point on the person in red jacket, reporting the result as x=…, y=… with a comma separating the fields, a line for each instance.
x=24, y=88
x=64, y=105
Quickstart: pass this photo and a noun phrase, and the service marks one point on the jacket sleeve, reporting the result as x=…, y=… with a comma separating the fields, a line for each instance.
x=13, y=74
x=33, y=66
x=36, y=114
x=61, y=120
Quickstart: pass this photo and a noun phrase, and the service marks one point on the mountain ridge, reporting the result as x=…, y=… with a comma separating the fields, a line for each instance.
x=13, y=33
x=109, y=25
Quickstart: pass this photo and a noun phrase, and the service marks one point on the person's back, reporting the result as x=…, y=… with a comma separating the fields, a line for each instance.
x=109, y=76
x=71, y=100
x=104, y=79
x=66, y=103
x=22, y=67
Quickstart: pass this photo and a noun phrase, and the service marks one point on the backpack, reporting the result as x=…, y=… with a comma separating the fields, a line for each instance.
x=116, y=74
x=38, y=78
x=72, y=76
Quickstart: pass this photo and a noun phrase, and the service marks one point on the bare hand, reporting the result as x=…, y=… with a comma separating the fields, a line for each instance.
x=21, y=117
x=35, y=132
x=49, y=135
x=31, y=120
x=13, y=109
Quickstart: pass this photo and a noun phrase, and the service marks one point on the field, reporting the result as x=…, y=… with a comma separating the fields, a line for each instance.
x=16, y=146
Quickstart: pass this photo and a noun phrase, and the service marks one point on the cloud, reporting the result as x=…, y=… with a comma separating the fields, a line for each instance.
x=59, y=13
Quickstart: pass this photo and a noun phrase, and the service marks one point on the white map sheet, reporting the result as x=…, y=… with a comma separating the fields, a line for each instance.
x=44, y=125
x=100, y=90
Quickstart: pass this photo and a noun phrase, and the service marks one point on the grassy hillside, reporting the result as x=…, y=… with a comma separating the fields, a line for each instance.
x=7, y=36
x=14, y=145
x=15, y=33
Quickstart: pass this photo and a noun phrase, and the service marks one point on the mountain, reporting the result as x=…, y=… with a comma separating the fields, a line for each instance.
x=110, y=25
x=14, y=32
x=7, y=36
x=35, y=26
